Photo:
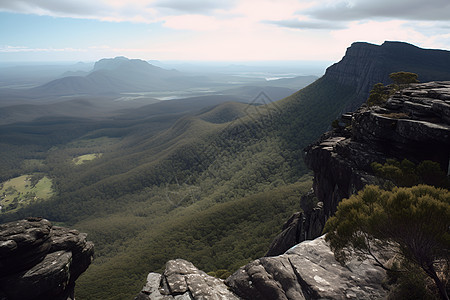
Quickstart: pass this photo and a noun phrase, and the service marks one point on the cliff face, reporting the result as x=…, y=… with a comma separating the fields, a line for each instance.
x=366, y=64
x=361, y=67
x=41, y=261
x=414, y=124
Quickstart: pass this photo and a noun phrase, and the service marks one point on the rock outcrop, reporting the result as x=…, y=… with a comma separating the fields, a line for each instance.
x=300, y=226
x=365, y=64
x=413, y=124
x=308, y=271
x=41, y=261
x=182, y=280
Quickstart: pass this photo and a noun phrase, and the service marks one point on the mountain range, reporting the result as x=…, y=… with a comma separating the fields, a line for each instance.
x=207, y=179
x=116, y=84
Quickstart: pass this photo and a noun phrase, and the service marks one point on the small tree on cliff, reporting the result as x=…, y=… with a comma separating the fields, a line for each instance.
x=403, y=78
x=380, y=93
x=415, y=221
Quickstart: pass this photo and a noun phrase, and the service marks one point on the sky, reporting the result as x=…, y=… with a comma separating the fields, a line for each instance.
x=209, y=30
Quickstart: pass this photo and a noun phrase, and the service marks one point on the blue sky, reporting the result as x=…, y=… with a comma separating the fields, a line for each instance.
x=233, y=30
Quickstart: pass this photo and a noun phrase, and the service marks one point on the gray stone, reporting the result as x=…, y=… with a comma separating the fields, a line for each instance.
x=308, y=271
x=416, y=128
x=181, y=280
x=50, y=277
x=39, y=261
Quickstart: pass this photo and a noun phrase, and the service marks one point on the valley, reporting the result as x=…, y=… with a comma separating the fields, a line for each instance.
x=210, y=178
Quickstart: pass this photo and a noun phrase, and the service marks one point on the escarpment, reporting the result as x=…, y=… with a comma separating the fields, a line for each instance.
x=41, y=261
x=413, y=124
x=365, y=64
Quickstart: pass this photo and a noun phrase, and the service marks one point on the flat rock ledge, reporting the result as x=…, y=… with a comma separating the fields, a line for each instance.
x=306, y=271
x=41, y=261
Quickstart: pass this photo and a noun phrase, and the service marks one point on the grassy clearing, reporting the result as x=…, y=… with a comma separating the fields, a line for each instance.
x=79, y=160
x=23, y=190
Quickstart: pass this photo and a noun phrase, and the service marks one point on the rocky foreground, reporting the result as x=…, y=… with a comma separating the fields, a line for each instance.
x=307, y=271
x=413, y=124
x=40, y=261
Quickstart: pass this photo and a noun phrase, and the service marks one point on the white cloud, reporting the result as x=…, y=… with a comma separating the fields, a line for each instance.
x=377, y=32
x=345, y=10
x=10, y=49
x=248, y=29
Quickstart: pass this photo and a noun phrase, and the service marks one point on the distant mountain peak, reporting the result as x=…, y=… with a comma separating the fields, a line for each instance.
x=112, y=63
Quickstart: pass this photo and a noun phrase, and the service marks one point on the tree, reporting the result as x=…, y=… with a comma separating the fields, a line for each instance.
x=412, y=221
x=407, y=174
x=402, y=78
x=378, y=95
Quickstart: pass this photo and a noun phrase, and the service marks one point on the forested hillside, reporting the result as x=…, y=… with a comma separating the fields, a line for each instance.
x=206, y=179
x=211, y=186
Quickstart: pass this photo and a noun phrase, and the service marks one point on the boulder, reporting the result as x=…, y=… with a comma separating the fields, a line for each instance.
x=308, y=271
x=41, y=261
x=182, y=280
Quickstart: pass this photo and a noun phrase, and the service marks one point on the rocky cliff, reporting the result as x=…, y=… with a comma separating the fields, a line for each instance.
x=365, y=64
x=413, y=124
x=40, y=261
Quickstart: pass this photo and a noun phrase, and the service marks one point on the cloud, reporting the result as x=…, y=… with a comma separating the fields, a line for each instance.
x=142, y=11
x=51, y=7
x=112, y=10
x=9, y=49
x=298, y=24
x=194, y=6
x=365, y=9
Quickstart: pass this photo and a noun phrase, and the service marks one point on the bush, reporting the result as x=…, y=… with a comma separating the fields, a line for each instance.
x=415, y=221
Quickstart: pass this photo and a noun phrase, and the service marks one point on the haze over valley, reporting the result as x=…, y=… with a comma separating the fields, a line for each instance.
x=111, y=85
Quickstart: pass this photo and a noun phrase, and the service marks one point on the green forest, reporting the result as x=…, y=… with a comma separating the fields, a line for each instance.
x=212, y=186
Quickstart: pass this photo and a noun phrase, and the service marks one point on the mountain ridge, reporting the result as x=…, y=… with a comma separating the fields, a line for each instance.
x=365, y=64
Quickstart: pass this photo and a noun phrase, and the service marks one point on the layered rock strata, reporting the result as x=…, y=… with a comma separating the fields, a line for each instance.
x=414, y=124
x=41, y=261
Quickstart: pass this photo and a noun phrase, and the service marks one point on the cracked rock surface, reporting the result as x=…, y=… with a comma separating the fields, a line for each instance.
x=181, y=280
x=308, y=271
